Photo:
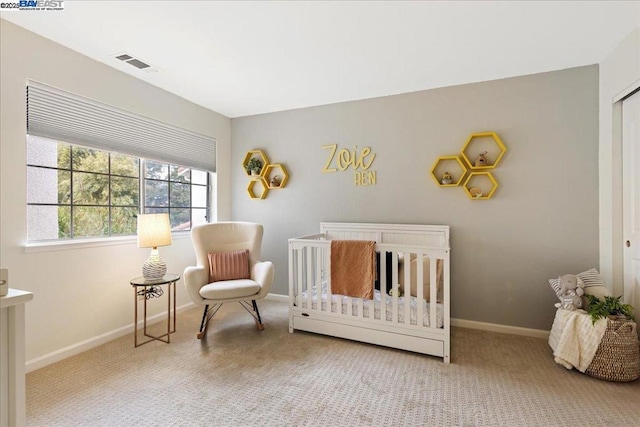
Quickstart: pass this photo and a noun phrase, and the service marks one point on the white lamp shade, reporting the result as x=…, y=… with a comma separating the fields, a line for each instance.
x=154, y=230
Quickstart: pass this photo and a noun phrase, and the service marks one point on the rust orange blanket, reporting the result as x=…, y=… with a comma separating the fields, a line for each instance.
x=353, y=268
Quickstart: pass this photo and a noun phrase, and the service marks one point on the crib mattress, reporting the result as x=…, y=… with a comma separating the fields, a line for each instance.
x=303, y=301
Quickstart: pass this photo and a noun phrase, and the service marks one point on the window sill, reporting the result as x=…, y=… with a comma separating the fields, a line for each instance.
x=65, y=245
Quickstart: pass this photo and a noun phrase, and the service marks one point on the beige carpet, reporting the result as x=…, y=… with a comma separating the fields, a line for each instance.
x=239, y=376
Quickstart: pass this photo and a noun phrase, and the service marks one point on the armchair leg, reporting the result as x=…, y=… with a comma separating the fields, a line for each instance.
x=206, y=316
x=251, y=310
x=203, y=324
x=255, y=308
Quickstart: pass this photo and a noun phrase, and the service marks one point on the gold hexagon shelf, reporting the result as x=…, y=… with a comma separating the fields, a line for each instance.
x=255, y=153
x=265, y=188
x=480, y=142
x=451, y=165
x=271, y=174
x=480, y=185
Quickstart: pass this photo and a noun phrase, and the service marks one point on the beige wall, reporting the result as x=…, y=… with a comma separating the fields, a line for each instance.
x=81, y=294
x=542, y=221
x=620, y=71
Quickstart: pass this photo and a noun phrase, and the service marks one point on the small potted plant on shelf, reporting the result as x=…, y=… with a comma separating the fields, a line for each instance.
x=610, y=307
x=254, y=166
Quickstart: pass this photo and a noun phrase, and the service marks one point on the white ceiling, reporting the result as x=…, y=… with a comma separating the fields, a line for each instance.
x=245, y=58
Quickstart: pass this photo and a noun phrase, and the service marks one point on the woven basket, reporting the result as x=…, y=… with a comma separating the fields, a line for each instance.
x=618, y=355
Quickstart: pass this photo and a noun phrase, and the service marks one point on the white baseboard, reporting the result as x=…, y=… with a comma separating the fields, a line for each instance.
x=72, y=350
x=277, y=297
x=503, y=329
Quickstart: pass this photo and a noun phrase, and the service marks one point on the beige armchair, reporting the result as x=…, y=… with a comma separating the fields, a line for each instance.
x=222, y=238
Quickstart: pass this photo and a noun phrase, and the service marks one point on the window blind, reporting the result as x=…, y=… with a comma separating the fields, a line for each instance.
x=63, y=116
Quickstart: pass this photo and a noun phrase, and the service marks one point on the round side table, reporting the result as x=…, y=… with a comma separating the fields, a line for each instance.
x=149, y=289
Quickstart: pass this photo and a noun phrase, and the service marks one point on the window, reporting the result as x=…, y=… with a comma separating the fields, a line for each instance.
x=89, y=168
x=180, y=191
x=76, y=192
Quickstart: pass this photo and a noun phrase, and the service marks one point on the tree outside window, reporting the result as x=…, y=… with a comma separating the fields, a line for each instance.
x=76, y=192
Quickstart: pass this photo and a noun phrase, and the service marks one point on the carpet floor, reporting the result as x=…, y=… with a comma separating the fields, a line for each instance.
x=239, y=376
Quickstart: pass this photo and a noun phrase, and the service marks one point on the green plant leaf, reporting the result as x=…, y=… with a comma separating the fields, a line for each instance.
x=599, y=309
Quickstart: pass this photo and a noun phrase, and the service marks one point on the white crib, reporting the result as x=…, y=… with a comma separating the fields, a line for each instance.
x=418, y=321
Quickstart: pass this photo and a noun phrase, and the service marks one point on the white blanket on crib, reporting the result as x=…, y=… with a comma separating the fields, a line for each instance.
x=343, y=301
x=574, y=339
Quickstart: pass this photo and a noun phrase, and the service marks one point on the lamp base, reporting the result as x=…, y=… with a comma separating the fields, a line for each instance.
x=154, y=267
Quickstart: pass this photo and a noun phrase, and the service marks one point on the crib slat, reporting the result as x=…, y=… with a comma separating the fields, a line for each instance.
x=298, y=274
x=433, y=299
x=371, y=307
x=420, y=290
x=309, y=279
x=299, y=283
x=383, y=287
x=371, y=303
x=394, y=281
x=327, y=276
x=407, y=287
x=318, y=275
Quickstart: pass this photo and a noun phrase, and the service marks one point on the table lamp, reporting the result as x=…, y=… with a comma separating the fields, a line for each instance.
x=154, y=230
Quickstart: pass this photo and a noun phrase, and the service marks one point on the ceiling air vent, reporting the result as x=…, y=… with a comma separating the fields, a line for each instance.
x=139, y=64
x=135, y=62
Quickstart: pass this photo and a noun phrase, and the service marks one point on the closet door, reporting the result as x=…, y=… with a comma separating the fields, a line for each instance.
x=631, y=199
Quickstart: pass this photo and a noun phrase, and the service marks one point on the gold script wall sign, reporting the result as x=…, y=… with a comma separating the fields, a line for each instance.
x=343, y=159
